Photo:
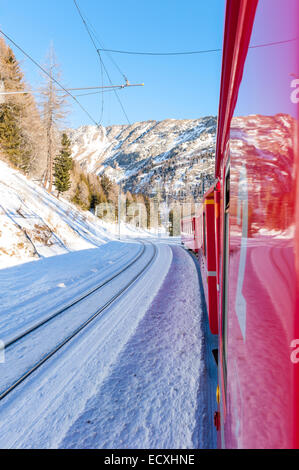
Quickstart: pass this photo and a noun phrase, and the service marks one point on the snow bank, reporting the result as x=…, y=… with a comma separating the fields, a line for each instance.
x=39, y=413
x=153, y=396
x=35, y=224
x=31, y=291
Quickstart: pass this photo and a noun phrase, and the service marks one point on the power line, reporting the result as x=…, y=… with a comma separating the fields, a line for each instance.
x=160, y=53
x=93, y=93
x=90, y=35
x=102, y=67
x=95, y=35
x=85, y=24
x=116, y=94
x=102, y=95
x=203, y=51
x=102, y=46
x=52, y=78
x=273, y=43
x=103, y=89
x=126, y=85
x=99, y=55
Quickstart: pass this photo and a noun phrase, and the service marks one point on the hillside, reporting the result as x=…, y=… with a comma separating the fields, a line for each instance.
x=177, y=155
x=35, y=224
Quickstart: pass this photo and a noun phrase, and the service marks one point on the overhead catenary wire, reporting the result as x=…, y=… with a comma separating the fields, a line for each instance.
x=203, y=51
x=46, y=73
x=102, y=67
x=104, y=89
x=96, y=38
x=94, y=92
x=107, y=86
x=115, y=51
x=90, y=35
x=100, y=58
x=102, y=94
x=95, y=35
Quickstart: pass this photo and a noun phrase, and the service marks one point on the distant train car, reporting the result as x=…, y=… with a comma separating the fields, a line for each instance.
x=249, y=225
x=207, y=255
x=188, y=236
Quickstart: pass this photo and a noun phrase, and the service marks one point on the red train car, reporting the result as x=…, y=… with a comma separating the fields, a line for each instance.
x=250, y=228
x=257, y=161
x=189, y=236
x=207, y=255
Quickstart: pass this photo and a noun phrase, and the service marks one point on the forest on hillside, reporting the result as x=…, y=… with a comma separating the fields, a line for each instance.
x=33, y=141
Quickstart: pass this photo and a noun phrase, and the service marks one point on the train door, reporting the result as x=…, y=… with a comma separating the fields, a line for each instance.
x=225, y=270
x=204, y=232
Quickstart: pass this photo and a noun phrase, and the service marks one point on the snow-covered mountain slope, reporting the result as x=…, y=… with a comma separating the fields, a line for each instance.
x=175, y=154
x=34, y=224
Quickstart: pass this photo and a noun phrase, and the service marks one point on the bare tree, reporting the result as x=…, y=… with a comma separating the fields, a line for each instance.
x=33, y=132
x=53, y=113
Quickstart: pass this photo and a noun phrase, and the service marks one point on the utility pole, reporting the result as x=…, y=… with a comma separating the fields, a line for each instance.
x=2, y=92
x=157, y=200
x=119, y=207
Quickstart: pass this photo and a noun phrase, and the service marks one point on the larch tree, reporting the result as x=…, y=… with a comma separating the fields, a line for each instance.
x=53, y=106
x=106, y=184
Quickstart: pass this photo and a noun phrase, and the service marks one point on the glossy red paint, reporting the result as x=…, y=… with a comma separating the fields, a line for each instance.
x=188, y=237
x=199, y=234
x=209, y=207
x=252, y=217
x=258, y=265
x=217, y=195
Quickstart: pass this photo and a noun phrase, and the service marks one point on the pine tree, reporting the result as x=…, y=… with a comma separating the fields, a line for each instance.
x=62, y=166
x=20, y=124
x=11, y=138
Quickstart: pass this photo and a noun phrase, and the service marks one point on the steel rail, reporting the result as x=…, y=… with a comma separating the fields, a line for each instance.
x=45, y=358
x=74, y=302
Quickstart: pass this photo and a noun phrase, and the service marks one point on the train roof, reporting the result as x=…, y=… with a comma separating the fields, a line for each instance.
x=239, y=18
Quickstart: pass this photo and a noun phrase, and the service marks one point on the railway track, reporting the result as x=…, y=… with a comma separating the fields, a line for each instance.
x=75, y=301
x=29, y=371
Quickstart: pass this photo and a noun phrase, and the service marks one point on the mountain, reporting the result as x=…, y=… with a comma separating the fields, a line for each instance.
x=174, y=155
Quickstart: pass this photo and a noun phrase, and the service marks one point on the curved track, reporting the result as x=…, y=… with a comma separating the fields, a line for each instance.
x=74, y=302
x=26, y=334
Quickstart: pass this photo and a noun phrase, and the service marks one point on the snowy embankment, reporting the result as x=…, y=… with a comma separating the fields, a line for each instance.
x=34, y=224
x=32, y=291
x=42, y=409
x=155, y=394
x=135, y=378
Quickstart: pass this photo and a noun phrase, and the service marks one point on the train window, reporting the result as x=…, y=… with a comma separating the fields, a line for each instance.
x=225, y=272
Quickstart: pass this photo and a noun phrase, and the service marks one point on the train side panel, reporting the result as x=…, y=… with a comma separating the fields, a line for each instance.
x=257, y=165
x=188, y=237
x=205, y=226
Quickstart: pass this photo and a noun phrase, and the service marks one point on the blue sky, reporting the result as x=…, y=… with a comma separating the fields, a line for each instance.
x=180, y=87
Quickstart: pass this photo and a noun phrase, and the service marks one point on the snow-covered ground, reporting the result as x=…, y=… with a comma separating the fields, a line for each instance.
x=40, y=411
x=133, y=377
x=34, y=224
x=154, y=394
x=31, y=291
